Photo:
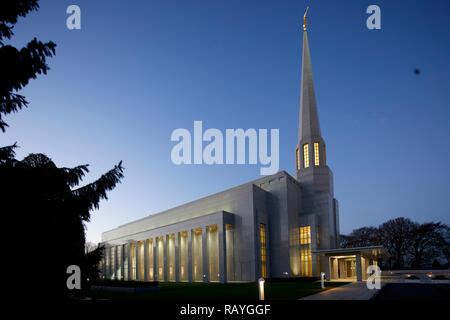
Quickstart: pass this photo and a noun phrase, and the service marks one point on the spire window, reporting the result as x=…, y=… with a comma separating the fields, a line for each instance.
x=316, y=154
x=306, y=155
x=297, y=157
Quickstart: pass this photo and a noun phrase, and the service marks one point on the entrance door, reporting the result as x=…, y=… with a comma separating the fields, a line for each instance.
x=348, y=265
x=351, y=268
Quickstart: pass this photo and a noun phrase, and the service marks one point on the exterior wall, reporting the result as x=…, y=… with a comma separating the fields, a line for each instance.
x=275, y=201
x=336, y=221
x=281, y=215
x=312, y=220
x=323, y=205
x=249, y=207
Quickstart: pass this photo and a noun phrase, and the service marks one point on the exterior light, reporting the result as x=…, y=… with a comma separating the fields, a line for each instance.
x=261, y=288
x=322, y=279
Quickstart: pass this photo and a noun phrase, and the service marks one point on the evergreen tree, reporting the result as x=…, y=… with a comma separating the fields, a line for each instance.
x=42, y=203
x=18, y=66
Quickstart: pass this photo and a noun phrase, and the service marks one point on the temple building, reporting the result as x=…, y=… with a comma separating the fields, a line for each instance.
x=276, y=226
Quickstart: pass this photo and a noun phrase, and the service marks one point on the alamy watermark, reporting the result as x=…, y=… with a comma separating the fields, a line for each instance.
x=190, y=148
x=74, y=20
x=374, y=279
x=374, y=20
x=74, y=280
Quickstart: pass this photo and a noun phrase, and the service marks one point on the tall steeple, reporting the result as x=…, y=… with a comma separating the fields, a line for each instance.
x=313, y=174
x=309, y=119
x=310, y=151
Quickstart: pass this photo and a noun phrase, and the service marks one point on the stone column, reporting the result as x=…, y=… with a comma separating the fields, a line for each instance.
x=363, y=267
x=205, y=255
x=122, y=264
x=222, y=253
x=104, y=264
x=358, y=267
x=108, y=270
x=177, y=256
x=146, y=265
x=155, y=271
x=116, y=260
x=136, y=258
x=165, y=257
x=189, y=255
x=111, y=267
x=335, y=270
x=104, y=267
x=327, y=267
x=129, y=261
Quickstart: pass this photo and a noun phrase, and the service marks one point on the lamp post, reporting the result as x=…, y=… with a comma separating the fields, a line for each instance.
x=261, y=288
x=322, y=279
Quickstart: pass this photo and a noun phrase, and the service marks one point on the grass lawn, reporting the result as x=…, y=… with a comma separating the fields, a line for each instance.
x=184, y=291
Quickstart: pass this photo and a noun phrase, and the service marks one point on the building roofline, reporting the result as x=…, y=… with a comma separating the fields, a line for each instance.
x=356, y=249
x=254, y=182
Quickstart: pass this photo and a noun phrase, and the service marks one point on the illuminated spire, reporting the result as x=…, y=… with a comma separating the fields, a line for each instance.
x=310, y=149
x=309, y=127
x=304, y=19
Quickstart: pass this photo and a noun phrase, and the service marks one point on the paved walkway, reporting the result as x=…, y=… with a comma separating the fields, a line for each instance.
x=415, y=291
x=351, y=291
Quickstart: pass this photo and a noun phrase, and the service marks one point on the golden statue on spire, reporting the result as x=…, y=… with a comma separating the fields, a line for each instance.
x=304, y=19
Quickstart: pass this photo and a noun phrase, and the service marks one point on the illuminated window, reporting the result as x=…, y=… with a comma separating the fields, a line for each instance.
x=306, y=155
x=297, y=156
x=212, y=252
x=113, y=263
x=324, y=158
x=151, y=259
x=170, y=256
x=262, y=239
x=316, y=153
x=230, y=251
x=305, y=251
x=160, y=258
x=306, y=261
x=140, y=267
x=107, y=263
x=133, y=261
x=183, y=256
x=119, y=259
x=305, y=235
x=126, y=252
x=197, y=254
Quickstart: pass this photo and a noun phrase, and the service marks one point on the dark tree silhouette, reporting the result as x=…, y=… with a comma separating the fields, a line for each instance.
x=396, y=235
x=46, y=206
x=362, y=237
x=42, y=202
x=18, y=66
x=427, y=240
x=405, y=240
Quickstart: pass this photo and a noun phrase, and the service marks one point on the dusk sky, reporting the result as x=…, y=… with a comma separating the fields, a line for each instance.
x=137, y=70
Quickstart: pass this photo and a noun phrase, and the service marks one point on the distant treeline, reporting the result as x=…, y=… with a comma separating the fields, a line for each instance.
x=411, y=245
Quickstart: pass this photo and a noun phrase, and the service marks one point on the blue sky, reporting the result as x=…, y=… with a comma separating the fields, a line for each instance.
x=137, y=70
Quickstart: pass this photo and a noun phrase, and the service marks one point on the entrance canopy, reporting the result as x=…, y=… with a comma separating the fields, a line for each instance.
x=350, y=264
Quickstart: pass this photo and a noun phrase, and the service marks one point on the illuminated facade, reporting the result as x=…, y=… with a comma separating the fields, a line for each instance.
x=269, y=227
